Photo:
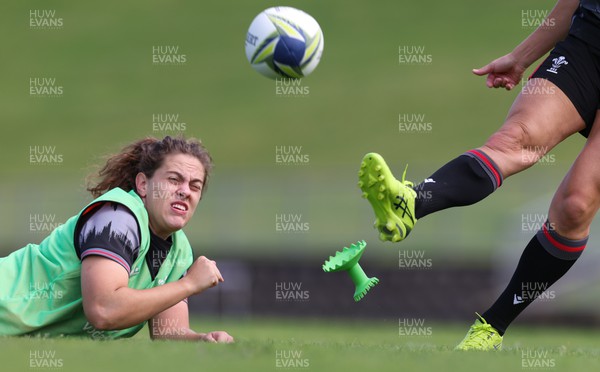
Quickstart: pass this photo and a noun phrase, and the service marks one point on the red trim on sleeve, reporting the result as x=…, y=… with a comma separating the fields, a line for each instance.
x=91, y=207
x=108, y=254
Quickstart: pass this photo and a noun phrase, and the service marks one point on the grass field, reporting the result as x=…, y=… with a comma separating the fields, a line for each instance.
x=102, y=57
x=313, y=345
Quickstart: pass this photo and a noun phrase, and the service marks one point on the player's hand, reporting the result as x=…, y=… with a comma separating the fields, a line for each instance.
x=217, y=336
x=504, y=72
x=203, y=274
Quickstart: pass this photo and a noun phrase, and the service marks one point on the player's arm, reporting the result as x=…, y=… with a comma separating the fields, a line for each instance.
x=554, y=29
x=174, y=324
x=507, y=71
x=110, y=304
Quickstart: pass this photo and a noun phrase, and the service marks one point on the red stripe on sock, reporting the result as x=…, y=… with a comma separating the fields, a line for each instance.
x=489, y=165
x=558, y=244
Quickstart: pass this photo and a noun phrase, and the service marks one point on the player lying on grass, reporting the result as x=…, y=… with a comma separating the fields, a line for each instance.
x=560, y=99
x=123, y=260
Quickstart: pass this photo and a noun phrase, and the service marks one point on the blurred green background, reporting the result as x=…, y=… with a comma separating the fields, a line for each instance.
x=102, y=57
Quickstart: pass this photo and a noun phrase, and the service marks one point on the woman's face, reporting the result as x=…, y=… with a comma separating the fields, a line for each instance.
x=172, y=193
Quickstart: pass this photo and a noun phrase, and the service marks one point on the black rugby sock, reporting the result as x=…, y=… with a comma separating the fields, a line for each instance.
x=547, y=257
x=463, y=181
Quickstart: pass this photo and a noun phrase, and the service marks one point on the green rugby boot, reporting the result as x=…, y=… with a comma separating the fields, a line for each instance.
x=393, y=201
x=481, y=336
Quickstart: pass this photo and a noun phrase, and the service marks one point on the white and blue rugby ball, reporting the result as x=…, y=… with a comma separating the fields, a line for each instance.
x=284, y=42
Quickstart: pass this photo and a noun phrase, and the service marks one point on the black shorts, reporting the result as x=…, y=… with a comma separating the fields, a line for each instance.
x=574, y=67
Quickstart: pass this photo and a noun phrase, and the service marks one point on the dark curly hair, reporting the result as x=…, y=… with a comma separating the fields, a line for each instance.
x=145, y=156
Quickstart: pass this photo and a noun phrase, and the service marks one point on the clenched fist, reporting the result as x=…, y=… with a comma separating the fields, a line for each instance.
x=203, y=274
